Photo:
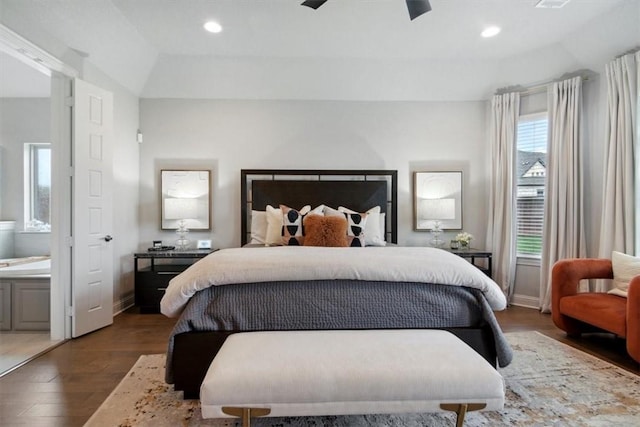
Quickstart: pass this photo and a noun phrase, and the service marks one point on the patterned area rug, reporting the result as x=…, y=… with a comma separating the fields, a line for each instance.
x=548, y=384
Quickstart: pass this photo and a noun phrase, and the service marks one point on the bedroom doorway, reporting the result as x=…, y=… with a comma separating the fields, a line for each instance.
x=25, y=229
x=71, y=292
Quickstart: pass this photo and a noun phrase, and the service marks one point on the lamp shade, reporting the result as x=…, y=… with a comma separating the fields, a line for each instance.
x=438, y=209
x=180, y=208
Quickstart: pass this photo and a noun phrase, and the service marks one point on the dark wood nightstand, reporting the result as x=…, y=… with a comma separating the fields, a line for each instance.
x=152, y=280
x=473, y=254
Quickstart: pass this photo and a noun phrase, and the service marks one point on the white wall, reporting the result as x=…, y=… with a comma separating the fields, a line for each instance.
x=226, y=136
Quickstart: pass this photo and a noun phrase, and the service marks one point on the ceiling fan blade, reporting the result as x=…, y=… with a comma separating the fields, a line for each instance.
x=313, y=4
x=417, y=8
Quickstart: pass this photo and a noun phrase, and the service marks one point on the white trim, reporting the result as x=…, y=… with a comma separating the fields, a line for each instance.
x=22, y=49
x=123, y=303
x=7, y=225
x=61, y=251
x=526, y=301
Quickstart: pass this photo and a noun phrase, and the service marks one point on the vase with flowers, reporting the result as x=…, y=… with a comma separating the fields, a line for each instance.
x=465, y=239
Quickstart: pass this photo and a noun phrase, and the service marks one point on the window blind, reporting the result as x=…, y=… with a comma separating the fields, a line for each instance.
x=531, y=169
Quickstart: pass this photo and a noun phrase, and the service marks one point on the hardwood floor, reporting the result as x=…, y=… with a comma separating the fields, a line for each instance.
x=66, y=385
x=18, y=347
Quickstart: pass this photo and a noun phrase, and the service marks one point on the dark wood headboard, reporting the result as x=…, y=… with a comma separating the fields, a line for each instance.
x=356, y=189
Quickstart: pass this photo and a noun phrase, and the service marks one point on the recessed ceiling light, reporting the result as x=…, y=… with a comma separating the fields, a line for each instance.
x=213, y=27
x=490, y=31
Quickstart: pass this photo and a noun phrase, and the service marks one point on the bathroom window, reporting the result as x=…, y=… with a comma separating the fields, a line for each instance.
x=37, y=187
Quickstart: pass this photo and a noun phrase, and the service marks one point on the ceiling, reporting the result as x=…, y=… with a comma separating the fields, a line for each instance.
x=277, y=48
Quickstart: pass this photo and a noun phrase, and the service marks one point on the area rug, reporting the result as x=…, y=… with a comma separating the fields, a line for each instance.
x=547, y=384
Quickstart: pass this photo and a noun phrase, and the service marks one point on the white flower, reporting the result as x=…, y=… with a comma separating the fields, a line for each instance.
x=464, y=237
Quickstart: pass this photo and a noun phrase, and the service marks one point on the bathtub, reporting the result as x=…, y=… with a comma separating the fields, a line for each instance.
x=25, y=287
x=35, y=266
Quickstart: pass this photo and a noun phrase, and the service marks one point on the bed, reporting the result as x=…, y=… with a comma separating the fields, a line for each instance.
x=301, y=288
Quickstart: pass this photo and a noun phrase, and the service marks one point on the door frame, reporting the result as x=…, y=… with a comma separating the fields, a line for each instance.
x=61, y=169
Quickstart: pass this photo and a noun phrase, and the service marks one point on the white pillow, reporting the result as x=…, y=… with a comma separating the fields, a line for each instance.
x=274, y=224
x=332, y=212
x=625, y=268
x=259, y=227
x=318, y=210
x=383, y=227
x=374, y=227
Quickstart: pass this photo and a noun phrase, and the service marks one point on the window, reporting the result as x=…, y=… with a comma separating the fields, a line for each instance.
x=37, y=185
x=531, y=172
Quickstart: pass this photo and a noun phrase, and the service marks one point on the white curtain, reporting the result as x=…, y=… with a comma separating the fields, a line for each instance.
x=563, y=230
x=618, y=206
x=501, y=231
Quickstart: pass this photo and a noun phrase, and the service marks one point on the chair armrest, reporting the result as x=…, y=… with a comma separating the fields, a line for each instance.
x=565, y=278
x=567, y=273
x=633, y=318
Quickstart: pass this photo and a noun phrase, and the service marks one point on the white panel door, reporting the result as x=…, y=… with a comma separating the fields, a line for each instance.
x=92, y=217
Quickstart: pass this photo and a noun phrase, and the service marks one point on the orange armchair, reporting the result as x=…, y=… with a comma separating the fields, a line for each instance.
x=575, y=312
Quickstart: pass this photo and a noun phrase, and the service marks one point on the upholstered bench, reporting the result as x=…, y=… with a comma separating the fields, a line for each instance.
x=343, y=372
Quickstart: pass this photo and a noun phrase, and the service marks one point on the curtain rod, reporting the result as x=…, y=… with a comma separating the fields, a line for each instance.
x=531, y=90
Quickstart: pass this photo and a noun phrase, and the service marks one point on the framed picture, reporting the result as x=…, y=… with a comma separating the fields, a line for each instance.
x=437, y=200
x=185, y=199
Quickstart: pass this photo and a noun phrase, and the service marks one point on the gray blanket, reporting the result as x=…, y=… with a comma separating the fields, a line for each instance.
x=342, y=304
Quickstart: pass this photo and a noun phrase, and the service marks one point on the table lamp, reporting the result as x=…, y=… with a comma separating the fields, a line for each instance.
x=437, y=210
x=181, y=209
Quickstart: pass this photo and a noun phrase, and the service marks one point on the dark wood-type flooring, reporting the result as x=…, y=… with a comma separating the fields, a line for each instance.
x=66, y=385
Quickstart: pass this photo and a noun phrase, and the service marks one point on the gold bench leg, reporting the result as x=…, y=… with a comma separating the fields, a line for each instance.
x=461, y=410
x=246, y=413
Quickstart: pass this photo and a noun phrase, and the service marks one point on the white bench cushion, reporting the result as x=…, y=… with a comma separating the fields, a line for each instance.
x=343, y=372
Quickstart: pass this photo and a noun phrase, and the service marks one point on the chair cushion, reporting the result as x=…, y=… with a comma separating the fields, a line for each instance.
x=602, y=310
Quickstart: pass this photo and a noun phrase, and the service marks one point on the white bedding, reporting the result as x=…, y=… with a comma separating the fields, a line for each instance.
x=392, y=264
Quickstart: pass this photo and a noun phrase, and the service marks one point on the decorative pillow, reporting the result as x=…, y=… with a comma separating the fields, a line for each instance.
x=292, y=227
x=374, y=231
x=329, y=211
x=275, y=222
x=259, y=227
x=325, y=231
x=356, y=223
x=625, y=268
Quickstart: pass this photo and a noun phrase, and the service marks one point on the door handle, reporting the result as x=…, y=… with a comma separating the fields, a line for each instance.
x=108, y=238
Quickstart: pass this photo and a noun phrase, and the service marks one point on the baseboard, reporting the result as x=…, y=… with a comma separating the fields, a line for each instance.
x=123, y=303
x=525, y=301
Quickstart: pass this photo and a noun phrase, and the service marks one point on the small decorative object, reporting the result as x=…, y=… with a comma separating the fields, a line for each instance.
x=455, y=244
x=465, y=239
x=204, y=244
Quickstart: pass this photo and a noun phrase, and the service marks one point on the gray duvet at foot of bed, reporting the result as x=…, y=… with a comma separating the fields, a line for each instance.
x=341, y=304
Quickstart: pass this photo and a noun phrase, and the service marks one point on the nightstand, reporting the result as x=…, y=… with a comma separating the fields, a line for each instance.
x=472, y=255
x=152, y=280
